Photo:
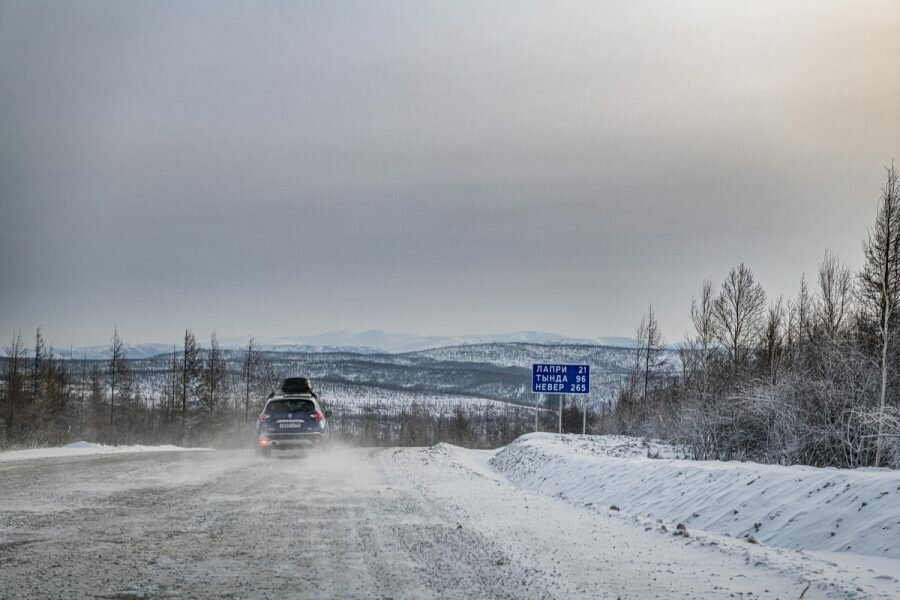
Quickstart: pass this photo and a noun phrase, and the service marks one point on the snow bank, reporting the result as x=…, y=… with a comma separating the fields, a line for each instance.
x=86, y=449
x=856, y=511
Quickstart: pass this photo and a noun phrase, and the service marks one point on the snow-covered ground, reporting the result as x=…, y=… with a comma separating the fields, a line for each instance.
x=528, y=521
x=361, y=399
x=85, y=449
x=846, y=512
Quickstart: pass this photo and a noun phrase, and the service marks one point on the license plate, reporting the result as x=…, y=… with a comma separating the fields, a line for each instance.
x=290, y=424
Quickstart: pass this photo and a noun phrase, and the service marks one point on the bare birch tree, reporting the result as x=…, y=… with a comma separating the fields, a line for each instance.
x=738, y=312
x=773, y=339
x=880, y=281
x=639, y=357
x=835, y=295
x=799, y=319
x=654, y=342
x=702, y=316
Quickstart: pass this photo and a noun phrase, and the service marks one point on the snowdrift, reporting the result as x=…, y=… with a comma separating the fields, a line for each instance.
x=86, y=449
x=855, y=511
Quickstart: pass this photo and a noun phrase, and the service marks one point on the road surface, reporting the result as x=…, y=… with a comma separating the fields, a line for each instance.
x=350, y=523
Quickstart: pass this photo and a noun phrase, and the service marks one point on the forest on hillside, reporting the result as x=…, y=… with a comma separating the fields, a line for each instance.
x=478, y=396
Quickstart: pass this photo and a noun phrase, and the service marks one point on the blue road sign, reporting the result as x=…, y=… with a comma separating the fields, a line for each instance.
x=560, y=379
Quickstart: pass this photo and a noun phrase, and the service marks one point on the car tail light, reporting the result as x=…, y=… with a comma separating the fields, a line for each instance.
x=264, y=417
x=264, y=441
x=316, y=416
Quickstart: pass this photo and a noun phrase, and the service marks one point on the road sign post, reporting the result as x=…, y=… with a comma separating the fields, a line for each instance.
x=584, y=416
x=562, y=379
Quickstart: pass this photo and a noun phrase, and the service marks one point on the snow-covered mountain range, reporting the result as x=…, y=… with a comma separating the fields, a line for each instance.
x=379, y=340
x=374, y=340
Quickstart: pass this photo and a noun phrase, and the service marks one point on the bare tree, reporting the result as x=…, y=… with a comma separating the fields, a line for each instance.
x=118, y=370
x=190, y=370
x=267, y=376
x=173, y=379
x=95, y=400
x=835, y=294
x=804, y=306
x=213, y=377
x=81, y=389
x=738, y=311
x=639, y=358
x=703, y=318
x=773, y=339
x=249, y=374
x=37, y=375
x=14, y=383
x=56, y=390
x=880, y=280
x=653, y=346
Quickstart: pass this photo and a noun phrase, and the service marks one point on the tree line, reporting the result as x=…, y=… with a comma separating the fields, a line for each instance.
x=49, y=400
x=808, y=380
x=196, y=395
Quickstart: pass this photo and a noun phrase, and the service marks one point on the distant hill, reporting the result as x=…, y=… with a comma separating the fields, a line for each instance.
x=365, y=342
x=379, y=340
x=131, y=351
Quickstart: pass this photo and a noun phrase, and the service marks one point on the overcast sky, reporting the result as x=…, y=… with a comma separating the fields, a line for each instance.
x=290, y=168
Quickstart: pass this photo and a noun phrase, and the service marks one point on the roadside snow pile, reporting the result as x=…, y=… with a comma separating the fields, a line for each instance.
x=837, y=510
x=618, y=446
x=86, y=449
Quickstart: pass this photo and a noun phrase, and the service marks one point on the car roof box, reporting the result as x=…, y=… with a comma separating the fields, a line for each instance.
x=296, y=385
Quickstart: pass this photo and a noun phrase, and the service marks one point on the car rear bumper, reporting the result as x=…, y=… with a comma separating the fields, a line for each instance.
x=291, y=440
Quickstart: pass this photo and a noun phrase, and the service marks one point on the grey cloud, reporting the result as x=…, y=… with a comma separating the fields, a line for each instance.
x=289, y=168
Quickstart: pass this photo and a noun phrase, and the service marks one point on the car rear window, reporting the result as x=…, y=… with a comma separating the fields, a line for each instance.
x=283, y=406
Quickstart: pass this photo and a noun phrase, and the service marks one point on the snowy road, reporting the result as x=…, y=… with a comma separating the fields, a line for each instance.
x=391, y=523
